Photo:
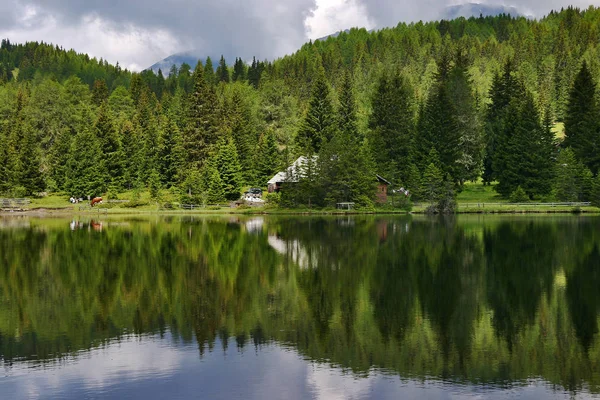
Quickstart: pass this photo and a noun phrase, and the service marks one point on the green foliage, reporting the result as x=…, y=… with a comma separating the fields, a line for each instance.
x=595, y=195
x=519, y=196
x=392, y=126
x=229, y=170
x=154, y=185
x=86, y=174
x=319, y=122
x=432, y=184
x=582, y=129
x=573, y=180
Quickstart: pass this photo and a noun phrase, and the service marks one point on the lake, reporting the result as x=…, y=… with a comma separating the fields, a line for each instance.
x=300, y=308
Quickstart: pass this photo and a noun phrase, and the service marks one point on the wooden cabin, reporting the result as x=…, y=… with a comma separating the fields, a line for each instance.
x=382, y=189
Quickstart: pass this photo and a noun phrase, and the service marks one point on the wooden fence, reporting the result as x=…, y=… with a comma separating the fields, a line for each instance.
x=14, y=204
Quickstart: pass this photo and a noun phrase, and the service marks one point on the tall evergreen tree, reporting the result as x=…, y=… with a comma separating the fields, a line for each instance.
x=468, y=125
x=438, y=127
x=267, y=158
x=171, y=157
x=99, y=92
x=209, y=72
x=319, y=122
x=392, y=126
x=109, y=143
x=573, y=180
x=239, y=71
x=227, y=163
x=201, y=130
x=505, y=88
x=223, y=71
x=28, y=171
x=86, y=175
x=582, y=121
x=527, y=157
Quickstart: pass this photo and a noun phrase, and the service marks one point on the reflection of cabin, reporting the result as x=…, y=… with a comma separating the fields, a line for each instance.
x=382, y=188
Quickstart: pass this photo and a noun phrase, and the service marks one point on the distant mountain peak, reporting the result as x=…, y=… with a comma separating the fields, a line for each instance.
x=178, y=59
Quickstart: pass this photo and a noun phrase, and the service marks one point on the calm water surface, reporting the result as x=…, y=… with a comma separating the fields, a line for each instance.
x=300, y=308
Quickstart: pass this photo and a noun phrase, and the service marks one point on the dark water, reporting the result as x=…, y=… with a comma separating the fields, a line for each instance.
x=296, y=308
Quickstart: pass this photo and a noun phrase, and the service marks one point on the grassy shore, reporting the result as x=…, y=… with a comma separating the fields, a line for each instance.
x=474, y=199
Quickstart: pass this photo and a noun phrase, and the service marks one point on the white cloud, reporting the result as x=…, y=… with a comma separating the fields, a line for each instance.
x=332, y=16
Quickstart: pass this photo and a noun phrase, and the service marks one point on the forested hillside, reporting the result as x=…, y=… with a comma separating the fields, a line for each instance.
x=429, y=106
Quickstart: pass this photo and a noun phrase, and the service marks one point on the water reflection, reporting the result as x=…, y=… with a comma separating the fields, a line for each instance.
x=466, y=305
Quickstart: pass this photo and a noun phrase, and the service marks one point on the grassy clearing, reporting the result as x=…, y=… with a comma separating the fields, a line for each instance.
x=476, y=192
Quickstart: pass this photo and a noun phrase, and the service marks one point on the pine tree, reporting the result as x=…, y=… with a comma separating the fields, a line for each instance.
x=573, y=180
x=267, y=158
x=86, y=175
x=5, y=176
x=438, y=127
x=392, y=127
x=171, y=157
x=200, y=134
x=223, y=71
x=228, y=165
x=471, y=146
x=130, y=154
x=209, y=72
x=527, y=155
x=99, y=92
x=239, y=71
x=319, y=122
x=582, y=126
x=109, y=143
x=505, y=89
x=213, y=187
x=28, y=170
x=242, y=127
x=432, y=183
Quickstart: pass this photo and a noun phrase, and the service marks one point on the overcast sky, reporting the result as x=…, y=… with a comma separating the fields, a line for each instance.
x=137, y=33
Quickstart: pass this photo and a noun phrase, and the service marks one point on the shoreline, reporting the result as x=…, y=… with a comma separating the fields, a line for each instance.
x=66, y=211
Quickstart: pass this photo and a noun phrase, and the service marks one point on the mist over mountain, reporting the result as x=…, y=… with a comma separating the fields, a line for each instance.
x=476, y=9
x=177, y=60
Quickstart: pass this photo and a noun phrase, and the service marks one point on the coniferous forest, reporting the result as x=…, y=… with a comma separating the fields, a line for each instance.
x=508, y=102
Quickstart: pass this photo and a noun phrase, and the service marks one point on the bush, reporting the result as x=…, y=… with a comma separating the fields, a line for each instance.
x=273, y=199
x=135, y=204
x=518, y=196
x=18, y=192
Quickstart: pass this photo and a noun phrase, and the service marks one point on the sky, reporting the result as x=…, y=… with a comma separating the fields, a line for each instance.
x=137, y=33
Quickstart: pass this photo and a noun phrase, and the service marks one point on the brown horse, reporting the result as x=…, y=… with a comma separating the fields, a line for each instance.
x=96, y=200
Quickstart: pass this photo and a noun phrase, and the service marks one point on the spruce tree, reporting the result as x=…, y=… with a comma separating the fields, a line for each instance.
x=438, y=127
x=267, y=158
x=223, y=71
x=506, y=88
x=171, y=157
x=86, y=175
x=109, y=143
x=5, y=177
x=99, y=92
x=228, y=165
x=468, y=125
x=209, y=72
x=200, y=133
x=573, y=180
x=526, y=158
x=239, y=71
x=213, y=187
x=28, y=170
x=392, y=127
x=432, y=183
x=130, y=154
x=318, y=125
x=582, y=126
